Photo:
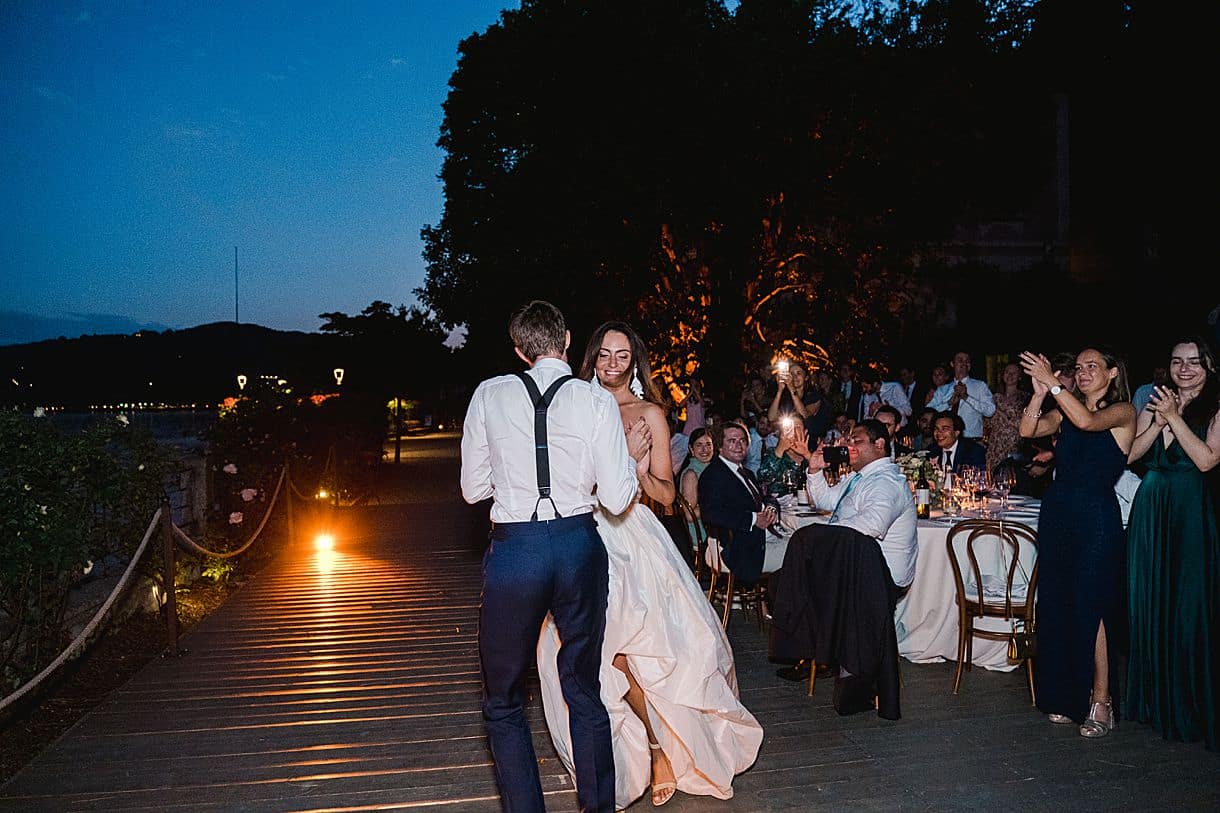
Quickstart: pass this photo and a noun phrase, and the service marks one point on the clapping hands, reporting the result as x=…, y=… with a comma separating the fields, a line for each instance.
x=1164, y=405
x=1038, y=368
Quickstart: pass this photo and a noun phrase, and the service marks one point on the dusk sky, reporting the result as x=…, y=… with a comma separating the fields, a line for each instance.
x=140, y=142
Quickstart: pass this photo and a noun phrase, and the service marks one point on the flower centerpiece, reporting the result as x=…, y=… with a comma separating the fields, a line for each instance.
x=912, y=463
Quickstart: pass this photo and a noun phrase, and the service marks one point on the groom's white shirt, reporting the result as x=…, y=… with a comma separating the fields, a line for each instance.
x=586, y=446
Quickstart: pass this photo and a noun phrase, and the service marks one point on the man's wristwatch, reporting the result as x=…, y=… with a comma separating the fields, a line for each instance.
x=1055, y=390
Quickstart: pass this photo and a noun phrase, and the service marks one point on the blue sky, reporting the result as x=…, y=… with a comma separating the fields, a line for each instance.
x=140, y=142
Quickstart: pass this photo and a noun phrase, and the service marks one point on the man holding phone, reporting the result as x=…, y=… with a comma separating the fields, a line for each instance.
x=873, y=500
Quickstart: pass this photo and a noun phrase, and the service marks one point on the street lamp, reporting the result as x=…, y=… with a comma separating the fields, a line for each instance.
x=241, y=382
x=338, y=376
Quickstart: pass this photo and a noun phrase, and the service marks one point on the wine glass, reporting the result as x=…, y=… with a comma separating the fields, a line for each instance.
x=1002, y=483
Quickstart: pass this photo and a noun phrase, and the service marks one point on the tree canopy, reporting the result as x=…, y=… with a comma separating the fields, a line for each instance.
x=743, y=184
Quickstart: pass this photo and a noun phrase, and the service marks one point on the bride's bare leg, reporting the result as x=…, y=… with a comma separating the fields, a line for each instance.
x=662, y=770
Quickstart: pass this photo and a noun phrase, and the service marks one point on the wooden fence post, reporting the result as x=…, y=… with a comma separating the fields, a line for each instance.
x=168, y=578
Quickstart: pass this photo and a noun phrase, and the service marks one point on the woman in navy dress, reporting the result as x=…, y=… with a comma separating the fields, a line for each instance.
x=1081, y=542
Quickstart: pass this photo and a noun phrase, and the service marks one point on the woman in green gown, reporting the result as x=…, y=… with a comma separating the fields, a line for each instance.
x=1173, y=576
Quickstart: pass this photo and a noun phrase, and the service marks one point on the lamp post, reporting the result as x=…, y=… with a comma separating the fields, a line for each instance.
x=338, y=373
x=241, y=382
x=397, y=428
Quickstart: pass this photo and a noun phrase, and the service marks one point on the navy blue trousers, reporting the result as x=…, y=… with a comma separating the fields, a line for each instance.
x=530, y=568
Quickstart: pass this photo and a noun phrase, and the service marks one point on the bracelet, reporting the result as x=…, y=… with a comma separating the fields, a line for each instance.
x=1034, y=415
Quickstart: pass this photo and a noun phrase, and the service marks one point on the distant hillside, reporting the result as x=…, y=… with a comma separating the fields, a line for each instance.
x=18, y=327
x=195, y=365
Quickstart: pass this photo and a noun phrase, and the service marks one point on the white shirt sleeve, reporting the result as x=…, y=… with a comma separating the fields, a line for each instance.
x=980, y=397
x=615, y=469
x=825, y=497
x=893, y=394
x=940, y=397
x=476, y=458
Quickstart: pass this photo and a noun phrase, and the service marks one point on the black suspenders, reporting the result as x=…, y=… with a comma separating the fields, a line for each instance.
x=542, y=403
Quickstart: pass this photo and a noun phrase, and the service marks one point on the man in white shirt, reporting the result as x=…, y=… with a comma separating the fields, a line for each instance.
x=874, y=392
x=875, y=500
x=968, y=397
x=545, y=553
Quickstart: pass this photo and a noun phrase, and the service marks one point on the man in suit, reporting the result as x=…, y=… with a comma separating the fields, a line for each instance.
x=916, y=391
x=545, y=553
x=731, y=498
x=845, y=397
x=950, y=449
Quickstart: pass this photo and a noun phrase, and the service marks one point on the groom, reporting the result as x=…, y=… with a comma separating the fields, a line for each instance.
x=538, y=448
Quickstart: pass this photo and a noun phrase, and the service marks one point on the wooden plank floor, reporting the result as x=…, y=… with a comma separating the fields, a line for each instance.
x=350, y=683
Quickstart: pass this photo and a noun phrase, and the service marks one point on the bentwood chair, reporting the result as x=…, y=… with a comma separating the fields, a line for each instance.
x=698, y=542
x=720, y=540
x=995, y=572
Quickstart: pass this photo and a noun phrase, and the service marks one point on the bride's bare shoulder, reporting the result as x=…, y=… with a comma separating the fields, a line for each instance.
x=634, y=410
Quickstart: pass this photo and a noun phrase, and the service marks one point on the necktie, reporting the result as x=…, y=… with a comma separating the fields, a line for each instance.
x=850, y=485
x=948, y=460
x=754, y=492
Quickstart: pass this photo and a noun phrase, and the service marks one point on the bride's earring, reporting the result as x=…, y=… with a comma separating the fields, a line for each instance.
x=637, y=388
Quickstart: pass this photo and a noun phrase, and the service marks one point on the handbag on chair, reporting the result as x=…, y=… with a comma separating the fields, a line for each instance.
x=1022, y=642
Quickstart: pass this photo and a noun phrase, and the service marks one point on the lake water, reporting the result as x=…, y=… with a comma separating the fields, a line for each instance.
x=177, y=427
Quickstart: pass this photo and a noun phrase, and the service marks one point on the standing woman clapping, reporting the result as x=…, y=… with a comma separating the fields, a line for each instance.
x=1173, y=570
x=1080, y=536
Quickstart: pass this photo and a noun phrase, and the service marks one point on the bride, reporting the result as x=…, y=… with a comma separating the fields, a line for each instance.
x=667, y=675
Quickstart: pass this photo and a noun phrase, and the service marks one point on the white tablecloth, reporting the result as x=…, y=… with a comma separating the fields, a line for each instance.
x=926, y=618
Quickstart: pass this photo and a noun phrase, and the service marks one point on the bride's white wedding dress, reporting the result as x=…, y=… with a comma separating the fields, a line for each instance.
x=658, y=617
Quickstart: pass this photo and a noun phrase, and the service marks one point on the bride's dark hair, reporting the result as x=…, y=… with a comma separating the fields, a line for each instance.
x=639, y=357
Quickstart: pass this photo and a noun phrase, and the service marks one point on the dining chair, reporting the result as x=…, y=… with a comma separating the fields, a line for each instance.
x=995, y=573
x=719, y=540
x=698, y=543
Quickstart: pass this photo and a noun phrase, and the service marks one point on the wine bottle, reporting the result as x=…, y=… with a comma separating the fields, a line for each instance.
x=923, y=495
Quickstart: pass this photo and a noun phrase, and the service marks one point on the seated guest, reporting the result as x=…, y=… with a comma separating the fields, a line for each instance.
x=949, y=449
x=871, y=508
x=679, y=444
x=891, y=417
x=840, y=427
x=753, y=401
x=731, y=501
x=917, y=433
x=702, y=450
x=785, y=459
x=761, y=440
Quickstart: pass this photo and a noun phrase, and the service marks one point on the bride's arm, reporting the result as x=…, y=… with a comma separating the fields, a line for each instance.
x=658, y=481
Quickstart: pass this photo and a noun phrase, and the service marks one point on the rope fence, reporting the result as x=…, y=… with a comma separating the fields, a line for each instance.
x=170, y=534
x=78, y=644
x=195, y=547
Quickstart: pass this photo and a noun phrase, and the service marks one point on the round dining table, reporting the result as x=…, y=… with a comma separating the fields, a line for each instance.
x=926, y=618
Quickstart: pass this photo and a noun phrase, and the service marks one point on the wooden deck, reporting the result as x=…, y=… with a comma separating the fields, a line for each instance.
x=350, y=683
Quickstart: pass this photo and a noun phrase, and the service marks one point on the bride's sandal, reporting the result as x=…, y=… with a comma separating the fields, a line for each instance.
x=1059, y=719
x=1093, y=727
x=662, y=792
